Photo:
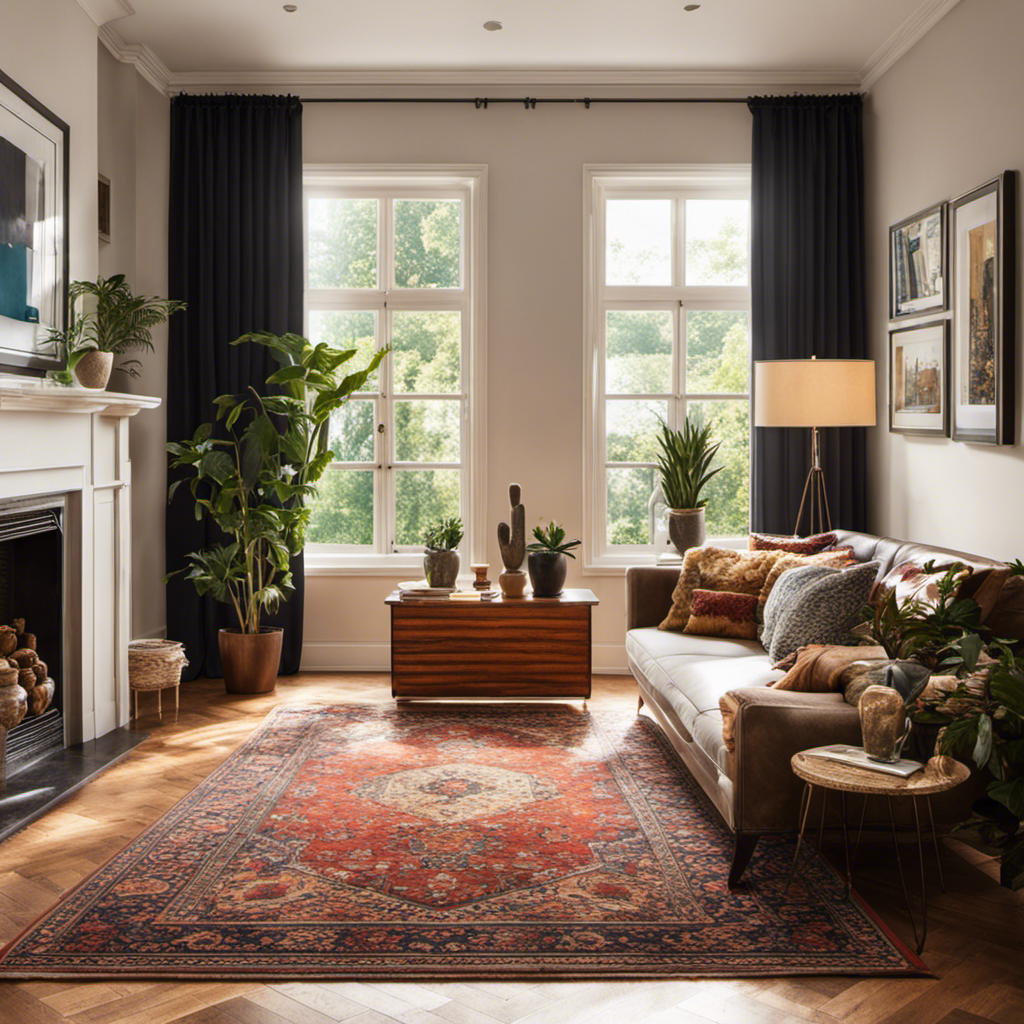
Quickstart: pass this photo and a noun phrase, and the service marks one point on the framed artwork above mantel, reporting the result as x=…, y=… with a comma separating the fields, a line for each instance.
x=33, y=229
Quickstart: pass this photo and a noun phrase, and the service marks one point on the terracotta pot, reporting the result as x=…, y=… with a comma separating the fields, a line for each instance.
x=250, y=660
x=93, y=369
x=686, y=528
x=547, y=572
x=441, y=568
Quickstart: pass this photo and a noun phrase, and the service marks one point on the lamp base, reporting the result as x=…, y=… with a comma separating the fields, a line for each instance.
x=814, y=488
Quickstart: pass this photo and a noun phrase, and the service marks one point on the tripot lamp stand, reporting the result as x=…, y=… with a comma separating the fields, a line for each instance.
x=814, y=393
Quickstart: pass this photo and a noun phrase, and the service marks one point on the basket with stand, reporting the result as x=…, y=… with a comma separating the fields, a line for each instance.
x=155, y=665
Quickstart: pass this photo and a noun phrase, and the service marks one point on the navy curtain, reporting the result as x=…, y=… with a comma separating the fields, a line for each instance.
x=808, y=286
x=235, y=257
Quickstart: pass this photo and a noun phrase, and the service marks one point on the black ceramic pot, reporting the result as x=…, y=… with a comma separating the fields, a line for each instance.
x=547, y=572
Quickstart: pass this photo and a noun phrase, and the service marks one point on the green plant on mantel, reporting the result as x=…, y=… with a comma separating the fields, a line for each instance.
x=683, y=463
x=256, y=482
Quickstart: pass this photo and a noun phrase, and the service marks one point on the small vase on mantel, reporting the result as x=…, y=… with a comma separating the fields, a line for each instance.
x=93, y=369
x=686, y=528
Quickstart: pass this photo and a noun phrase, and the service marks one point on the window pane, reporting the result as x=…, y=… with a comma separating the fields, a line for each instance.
x=350, y=434
x=638, y=241
x=629, y=491
x=426, y=352
x=717, y=244
x=421, y=497
x=427, y=431
x=717, y=351
x=343, y=243
x=638, y=352
x=428, y=243
x=343, y=512
x=347, y=329
x=728, y=493
x=632, y=429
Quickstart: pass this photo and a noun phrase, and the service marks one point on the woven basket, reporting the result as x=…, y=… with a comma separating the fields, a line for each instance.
x=155, y=664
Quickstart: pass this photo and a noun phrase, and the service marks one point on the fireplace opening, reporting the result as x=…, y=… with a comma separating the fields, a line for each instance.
x=32, y=601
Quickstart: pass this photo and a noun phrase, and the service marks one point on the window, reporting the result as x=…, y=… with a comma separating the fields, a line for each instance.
x=395, y=259
x=668, y=337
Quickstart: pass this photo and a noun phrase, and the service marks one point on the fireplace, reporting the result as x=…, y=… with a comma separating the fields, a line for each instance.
x=32, y=595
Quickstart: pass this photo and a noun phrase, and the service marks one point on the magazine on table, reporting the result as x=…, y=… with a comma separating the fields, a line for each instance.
x=856, y=756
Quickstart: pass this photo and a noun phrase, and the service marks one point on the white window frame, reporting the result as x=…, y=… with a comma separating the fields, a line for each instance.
x=613, y=181
x=467, y=182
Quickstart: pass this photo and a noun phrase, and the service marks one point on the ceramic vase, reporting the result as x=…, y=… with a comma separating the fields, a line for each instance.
x=884, y=724
x=686, y=528
x=250, y=660
x=547, y=571
x=441, y=568
x=93, y=369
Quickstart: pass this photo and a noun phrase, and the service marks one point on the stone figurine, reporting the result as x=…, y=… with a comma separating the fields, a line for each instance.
x=512, y=542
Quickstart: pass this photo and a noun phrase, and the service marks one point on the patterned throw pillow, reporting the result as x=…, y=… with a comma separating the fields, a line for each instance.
x=821, y=611
x=911, y=583
x=795, y=545
x=788, y=587
x=723, y=613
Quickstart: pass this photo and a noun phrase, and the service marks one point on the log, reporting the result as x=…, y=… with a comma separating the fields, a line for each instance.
x=28, y=640
x=24, y=657
x=8, y=641
x=40, y=670
x=39, y=697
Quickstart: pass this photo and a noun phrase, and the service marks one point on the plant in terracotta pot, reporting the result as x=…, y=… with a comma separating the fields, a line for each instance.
x=107, y=319
x=684, y=463
x=546, y=561
x=255, y=480
x=441, y=560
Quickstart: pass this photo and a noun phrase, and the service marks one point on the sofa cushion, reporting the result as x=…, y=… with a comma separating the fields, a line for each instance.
x=723, y=613
x=786, y=590
x=795, y=545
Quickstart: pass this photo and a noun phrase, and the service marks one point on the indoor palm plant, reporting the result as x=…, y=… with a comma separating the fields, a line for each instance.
x=684, y=463
x=546, y=562
x=255, y=479
x=107, y=319
x=441, y=560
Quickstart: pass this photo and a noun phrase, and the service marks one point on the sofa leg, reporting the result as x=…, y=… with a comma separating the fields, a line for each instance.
x=741, y=854
x=639, y=703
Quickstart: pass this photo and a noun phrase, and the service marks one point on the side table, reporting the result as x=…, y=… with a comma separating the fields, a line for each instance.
x=938, y=775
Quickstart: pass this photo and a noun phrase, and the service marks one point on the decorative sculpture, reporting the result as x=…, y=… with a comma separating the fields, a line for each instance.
x=512, y=542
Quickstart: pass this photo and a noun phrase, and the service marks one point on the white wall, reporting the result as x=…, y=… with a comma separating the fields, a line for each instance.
x=945, y=118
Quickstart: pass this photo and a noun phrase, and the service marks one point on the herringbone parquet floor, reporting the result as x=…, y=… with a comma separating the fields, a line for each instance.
x=975, y=943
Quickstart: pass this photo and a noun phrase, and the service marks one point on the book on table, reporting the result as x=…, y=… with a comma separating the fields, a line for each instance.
x=859, y=759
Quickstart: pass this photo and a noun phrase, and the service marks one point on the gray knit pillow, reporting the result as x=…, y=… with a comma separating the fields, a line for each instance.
x=786, y=590
x=821, y=611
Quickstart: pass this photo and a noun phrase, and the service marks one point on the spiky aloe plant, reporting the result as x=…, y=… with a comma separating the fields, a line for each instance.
x=552, y=539
x=684, y=460
x=444, y=534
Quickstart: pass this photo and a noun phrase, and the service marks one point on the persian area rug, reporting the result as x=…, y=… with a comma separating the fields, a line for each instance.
x=449, y=841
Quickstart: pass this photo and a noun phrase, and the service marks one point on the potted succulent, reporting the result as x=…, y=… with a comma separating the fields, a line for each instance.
x=546, y=562
x=441, y=560
x=116, y=322
x=255, y=480
x=683, y=463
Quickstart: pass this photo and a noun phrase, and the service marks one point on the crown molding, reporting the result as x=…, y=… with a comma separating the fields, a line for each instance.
x=927, y=16
x=146, y=62
x=102, y=11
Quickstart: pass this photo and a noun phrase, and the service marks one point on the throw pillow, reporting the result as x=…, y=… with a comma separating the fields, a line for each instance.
x=985, y=586
x=824, y=669
x=823, y=610
x=795, y=545
x=910, y=582
x=787, y=589
x=837, y=558
x=723, y=613
x=739, y=572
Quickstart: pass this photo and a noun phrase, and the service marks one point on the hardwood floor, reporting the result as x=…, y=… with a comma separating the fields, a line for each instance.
x=975, y=942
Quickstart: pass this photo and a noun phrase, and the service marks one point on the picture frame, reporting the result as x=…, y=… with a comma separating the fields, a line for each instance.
x=982, y=354
x=103, y=207
x=918, y=261
x=34, y=151
x=919, y=379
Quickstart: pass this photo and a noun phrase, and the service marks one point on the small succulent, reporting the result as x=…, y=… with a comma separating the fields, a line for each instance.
x=552, y=539
x=444, y=534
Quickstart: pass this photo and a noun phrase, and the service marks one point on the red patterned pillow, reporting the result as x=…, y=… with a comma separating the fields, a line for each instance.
x=723, y=613
x=796, y=545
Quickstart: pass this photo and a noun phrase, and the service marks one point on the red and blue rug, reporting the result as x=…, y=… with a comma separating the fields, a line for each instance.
x=449, y=841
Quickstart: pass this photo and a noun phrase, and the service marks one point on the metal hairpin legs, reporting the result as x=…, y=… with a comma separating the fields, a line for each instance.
x=805, y=806
x=903, y=881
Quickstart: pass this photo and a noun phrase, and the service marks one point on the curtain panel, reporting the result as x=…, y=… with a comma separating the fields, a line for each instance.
x=235, y=256
x=807, y=288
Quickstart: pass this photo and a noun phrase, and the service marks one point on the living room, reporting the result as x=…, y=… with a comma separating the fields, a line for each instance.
x=532, y=178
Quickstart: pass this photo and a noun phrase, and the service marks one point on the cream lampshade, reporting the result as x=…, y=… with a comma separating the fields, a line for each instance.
x=814, y=393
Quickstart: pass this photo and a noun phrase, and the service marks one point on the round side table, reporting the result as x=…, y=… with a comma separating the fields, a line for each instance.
x=938, y=775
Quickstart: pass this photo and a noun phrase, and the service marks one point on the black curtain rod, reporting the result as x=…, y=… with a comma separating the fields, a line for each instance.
x=529, y=102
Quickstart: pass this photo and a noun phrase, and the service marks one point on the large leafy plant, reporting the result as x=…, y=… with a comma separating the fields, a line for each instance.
x=112, y=318
x=683, y=462
x=255, y=478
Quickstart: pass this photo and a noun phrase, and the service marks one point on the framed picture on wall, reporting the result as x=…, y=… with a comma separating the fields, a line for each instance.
x=917, y=264
x=983, y=250
x=918, y=379
x=33, y=228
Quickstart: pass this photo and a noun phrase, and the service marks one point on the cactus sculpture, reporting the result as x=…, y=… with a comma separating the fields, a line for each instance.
x=512, y=541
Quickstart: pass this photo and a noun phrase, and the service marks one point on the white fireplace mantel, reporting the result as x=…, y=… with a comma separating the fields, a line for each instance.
x=31, y=395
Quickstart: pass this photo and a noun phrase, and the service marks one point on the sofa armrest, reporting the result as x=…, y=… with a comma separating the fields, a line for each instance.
x=649, y=594
x=770, y=727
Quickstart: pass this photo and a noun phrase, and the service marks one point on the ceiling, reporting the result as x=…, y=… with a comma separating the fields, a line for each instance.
x=840, y=41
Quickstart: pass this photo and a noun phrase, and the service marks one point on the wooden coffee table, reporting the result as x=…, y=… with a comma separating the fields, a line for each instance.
x=523, y=647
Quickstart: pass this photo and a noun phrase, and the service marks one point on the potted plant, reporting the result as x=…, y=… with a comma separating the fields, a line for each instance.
x=683, y=463
x=117, y=322
x=546, y=562
x=255, y=481
x=441, y=560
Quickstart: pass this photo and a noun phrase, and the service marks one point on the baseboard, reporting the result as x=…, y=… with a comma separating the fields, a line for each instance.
x=609, y=659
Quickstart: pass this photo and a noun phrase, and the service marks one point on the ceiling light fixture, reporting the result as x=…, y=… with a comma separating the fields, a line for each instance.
x=691, y=7
x=493, y=26
x=290, y=8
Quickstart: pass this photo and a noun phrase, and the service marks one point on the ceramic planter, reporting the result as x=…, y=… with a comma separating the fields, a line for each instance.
x=547, y=572
x=441, y=568
x=250, y=660
x=93, y=369
x=686, y=528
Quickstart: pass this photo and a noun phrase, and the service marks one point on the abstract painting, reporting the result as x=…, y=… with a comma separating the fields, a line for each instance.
x=918, y=401
x=917, y=264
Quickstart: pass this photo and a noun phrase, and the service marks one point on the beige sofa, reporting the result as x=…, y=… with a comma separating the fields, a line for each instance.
x=682, y=677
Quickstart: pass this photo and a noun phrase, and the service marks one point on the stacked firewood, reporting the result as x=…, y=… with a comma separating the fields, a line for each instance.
x=18, y=651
